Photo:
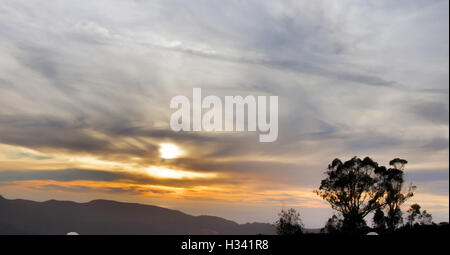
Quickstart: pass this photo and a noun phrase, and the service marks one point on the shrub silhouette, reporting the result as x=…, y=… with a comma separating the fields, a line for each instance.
x=415, y=216
x=379, y=220
x=333, y=225
x=289, y=223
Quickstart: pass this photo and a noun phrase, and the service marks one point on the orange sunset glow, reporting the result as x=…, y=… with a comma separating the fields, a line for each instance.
x=85, y=101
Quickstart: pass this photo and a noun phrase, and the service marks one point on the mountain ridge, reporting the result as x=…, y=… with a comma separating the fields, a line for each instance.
x=108, y=217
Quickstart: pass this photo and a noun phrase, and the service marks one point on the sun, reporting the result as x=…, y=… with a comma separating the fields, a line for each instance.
x=170, y=151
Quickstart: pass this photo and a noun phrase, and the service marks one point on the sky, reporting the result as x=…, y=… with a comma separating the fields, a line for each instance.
x=85, y=88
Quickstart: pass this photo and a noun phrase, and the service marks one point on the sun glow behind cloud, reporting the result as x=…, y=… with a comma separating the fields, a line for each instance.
x=162, y=172
x=170, y=151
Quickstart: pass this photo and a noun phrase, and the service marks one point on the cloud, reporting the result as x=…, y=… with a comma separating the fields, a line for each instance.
x=428, y=175
x=437, y=144
x=35, y=131
x=94, y=79
x=435, y=112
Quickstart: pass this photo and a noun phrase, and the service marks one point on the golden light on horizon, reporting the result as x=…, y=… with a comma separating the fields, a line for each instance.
x=163, y=172
x=170, y=151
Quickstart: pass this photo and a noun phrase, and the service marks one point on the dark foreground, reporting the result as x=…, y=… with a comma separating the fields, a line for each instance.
x=228, y=244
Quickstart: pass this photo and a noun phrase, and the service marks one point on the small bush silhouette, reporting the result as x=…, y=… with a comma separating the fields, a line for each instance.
x=289, y=223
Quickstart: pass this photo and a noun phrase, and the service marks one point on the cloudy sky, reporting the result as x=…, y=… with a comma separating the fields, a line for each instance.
x=85, y=88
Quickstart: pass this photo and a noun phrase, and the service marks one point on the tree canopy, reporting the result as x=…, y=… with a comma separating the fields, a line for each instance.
x=358, y=187
x=354, y=188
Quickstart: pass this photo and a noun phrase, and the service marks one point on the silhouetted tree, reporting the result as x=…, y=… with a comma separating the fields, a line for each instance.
x=426, y=218
x=379, y=220
x=415, y=216
x=394, y=196
x=354, y=188
x=333, y=225
x=289, y=223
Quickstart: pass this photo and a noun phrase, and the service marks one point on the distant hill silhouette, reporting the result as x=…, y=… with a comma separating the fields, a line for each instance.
x=110, y=217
